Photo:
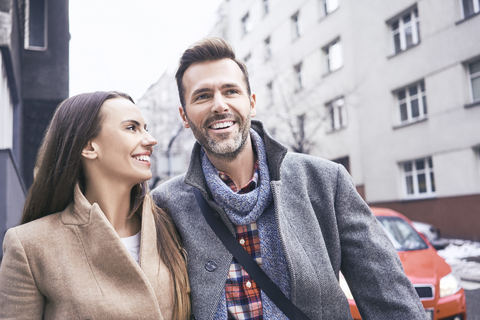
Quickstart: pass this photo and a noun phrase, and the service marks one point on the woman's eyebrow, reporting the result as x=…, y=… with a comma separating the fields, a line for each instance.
x=131, y=120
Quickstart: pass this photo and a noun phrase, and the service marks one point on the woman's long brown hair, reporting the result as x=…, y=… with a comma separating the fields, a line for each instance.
x=77, y=121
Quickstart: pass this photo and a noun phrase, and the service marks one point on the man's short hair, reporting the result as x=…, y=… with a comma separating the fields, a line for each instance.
x=209, y=49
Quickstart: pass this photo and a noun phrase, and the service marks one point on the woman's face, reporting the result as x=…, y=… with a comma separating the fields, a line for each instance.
x=123, y=146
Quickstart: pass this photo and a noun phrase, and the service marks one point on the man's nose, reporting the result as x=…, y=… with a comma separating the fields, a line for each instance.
x=219, y=104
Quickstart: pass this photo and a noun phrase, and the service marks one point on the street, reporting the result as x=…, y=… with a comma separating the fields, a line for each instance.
x=472, y=294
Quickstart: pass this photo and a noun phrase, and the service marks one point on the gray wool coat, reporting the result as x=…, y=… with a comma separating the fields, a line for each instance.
x=325, y=227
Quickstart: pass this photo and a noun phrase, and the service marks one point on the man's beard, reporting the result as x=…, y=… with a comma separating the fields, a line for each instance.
x=226, y=149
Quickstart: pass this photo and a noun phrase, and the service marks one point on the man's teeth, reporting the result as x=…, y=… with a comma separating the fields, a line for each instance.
x=222, y=125
x=142, y=158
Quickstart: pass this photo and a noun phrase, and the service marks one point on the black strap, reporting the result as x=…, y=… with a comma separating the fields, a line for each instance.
x=247, y=262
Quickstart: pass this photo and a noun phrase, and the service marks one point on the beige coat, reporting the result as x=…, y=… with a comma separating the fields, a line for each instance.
x=73, y=265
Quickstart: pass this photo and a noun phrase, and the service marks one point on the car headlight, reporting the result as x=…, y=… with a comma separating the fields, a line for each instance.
x=345, y=288
x=450, y=284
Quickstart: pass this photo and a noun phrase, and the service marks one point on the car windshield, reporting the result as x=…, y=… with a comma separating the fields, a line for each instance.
x=402, y=234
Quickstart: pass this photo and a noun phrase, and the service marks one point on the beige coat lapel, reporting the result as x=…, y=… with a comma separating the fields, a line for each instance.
x=153, y=267
x=121, y=281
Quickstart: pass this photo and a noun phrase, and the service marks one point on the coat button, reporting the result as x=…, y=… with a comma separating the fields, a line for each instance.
x=211, y=265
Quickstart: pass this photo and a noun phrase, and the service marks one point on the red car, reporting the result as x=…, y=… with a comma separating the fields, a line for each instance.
x=439, y=289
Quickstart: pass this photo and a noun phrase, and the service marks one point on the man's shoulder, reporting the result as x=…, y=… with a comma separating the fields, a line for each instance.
x=303, y=161
x=172, y=187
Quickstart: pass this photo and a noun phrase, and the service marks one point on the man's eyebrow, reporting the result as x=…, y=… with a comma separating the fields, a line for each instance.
x=230, y=85
x=201, y=90
x=223, y=86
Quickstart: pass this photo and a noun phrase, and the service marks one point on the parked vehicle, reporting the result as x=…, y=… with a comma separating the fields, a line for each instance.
x=438, y=288
x=431, y=233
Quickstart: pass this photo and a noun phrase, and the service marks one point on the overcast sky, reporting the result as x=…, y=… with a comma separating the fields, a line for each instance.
x=126, y=45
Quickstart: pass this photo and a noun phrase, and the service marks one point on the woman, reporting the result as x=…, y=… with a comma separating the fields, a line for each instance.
x=66, y=260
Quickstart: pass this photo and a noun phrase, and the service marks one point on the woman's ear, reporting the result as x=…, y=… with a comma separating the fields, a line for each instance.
x=89, y=151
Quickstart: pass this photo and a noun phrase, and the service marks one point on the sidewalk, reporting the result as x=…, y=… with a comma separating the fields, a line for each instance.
x=464, y=258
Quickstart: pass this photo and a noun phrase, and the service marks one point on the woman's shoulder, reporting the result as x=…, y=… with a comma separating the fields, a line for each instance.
x=37, y=229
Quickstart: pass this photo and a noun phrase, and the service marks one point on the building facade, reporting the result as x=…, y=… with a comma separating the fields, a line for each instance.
x=390, y=89
x=34, y=78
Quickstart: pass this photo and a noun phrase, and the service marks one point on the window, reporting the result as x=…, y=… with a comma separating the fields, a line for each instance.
x=295, y=26
x=405, y=31
x=328, y=6
x=298, y=77
x=6, y=110
x=412, y=102
x=333, y=56
x=246, y=24
x=337, y=114
x=344, y=161
x=418, y=178
x=470, y=7
x=270, y=99
x=36, y=25
x=474, y=74
x=268, y=49
x=266, y=8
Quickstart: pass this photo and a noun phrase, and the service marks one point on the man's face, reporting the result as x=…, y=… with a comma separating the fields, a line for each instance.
x=217, y=107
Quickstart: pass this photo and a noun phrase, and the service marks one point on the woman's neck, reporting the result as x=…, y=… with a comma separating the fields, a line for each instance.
x=114, y=201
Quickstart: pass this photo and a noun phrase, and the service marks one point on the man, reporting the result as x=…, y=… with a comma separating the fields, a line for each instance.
x=299, y=217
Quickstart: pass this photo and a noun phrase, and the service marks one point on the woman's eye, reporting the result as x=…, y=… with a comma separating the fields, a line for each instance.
x=130, y=128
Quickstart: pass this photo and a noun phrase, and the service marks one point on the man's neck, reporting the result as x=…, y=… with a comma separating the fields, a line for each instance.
x=240, y=169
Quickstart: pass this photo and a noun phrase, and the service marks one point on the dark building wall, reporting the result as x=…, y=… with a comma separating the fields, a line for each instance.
x=11, y=46
x=454, y=216
x=45, y=81
x=12, y=193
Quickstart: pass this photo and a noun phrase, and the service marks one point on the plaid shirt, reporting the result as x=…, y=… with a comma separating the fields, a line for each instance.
x=242, y=293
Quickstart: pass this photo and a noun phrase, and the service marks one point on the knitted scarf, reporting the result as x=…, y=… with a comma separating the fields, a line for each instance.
x=244, y=208
x=254, y=206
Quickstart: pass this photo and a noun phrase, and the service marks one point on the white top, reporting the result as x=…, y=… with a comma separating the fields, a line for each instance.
x=133, y=245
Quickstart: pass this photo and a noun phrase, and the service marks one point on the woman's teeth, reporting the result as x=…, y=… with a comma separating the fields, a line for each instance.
x=142, y=158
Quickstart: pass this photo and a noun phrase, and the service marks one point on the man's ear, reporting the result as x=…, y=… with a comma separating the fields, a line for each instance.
x=183, y=115
x=253, y=105
x=89, y=151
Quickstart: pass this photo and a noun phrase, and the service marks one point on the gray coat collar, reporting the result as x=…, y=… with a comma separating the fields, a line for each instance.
x=275, y=154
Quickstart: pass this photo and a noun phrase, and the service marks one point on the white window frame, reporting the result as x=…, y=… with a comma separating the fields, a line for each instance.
x=246, y=24
x=333, y=55
x=337, y=112
x=414, y=24
x=414, y=174
x=295, y=20
x=471, y=77
x=27, y=45
x=6, y=109
x=268, y=48
x=420, y=96
x=328, y=6
x=476, y=8
x=299, y=78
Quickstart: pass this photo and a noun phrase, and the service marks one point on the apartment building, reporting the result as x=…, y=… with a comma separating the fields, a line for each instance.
x=390, y=89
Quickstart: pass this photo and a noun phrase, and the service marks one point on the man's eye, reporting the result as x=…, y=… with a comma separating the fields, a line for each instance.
x=232, y=91
x=201, y=97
